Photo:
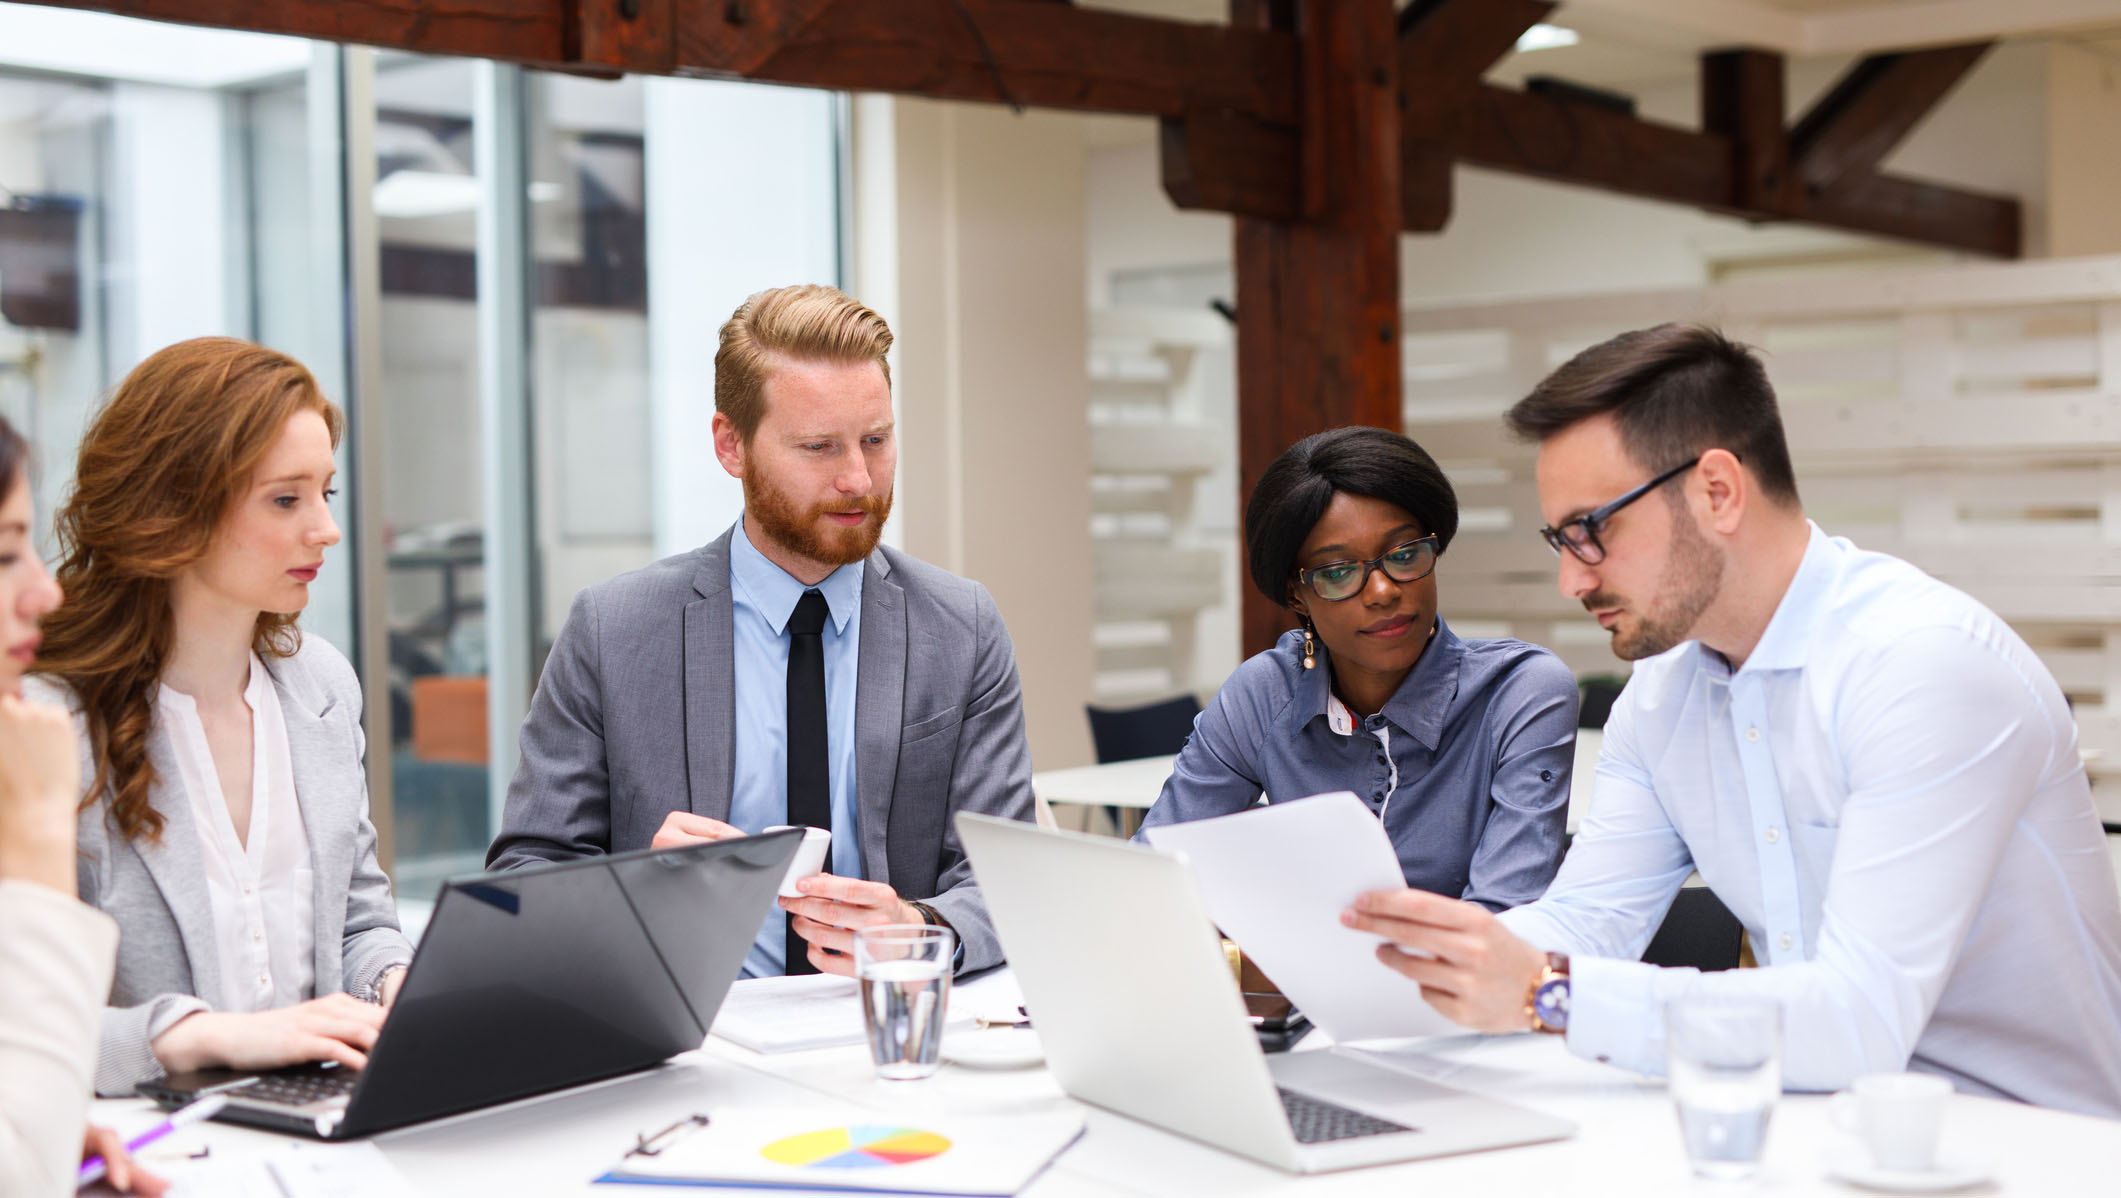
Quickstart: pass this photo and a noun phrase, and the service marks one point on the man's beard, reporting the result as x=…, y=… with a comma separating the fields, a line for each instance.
x=805, y=531
x=1692, y=576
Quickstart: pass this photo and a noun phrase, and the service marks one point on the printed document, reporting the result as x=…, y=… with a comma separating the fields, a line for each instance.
x=850, y=1150
x=1276, y=878
x=823, y=1010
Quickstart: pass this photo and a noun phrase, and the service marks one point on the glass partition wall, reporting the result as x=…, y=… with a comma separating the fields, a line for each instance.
x=465, y=253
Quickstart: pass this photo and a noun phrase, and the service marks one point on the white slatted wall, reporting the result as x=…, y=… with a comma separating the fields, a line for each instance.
x=1154, y=435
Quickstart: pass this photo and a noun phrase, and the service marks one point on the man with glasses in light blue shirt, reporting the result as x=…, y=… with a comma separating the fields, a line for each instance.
x=1871, y=769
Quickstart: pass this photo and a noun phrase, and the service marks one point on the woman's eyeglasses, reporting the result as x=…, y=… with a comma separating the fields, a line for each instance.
x=1580, y=536
x=1336, y=581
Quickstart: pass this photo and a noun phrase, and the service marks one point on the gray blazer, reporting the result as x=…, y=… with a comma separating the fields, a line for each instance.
x=157, y=891
x=634, y=719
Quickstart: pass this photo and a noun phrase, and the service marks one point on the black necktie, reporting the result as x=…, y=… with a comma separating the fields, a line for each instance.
x=809, y=796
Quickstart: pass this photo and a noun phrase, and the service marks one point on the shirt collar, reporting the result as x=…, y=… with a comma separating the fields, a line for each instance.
x=1419, y=706
x=257, y=687
x=1783, y=645
x=774, y=592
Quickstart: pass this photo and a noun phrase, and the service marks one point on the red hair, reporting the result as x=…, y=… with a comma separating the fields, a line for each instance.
x=171, y=450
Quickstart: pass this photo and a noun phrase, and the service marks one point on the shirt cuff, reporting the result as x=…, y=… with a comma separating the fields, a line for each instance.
x=1615, y=1015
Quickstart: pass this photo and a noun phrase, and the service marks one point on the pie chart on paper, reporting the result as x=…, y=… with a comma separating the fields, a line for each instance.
x=868, y=1146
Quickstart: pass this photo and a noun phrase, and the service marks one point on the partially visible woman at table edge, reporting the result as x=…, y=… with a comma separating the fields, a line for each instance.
x=226, y=826
x=1462, y=748
x=55, y=951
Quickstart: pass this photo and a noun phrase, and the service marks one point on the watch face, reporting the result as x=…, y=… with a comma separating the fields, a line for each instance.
x=1550, y=1004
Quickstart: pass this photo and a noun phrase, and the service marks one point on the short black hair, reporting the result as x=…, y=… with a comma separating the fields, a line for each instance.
x=1295, y=491
x=1675, y=391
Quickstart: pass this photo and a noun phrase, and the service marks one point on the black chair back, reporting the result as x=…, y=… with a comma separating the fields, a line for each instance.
x=1698, y=931
x=1125, y=733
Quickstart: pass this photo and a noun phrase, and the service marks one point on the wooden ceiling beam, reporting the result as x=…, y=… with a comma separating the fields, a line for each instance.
x=1231, y=96
x=1318, y=295
x=1564, y=141
x=1843, y=138
x=1027, y=53
x=1872, y=109
x=1445, y=46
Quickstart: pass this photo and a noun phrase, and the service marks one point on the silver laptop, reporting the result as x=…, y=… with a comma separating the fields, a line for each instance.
x=1134, y=1002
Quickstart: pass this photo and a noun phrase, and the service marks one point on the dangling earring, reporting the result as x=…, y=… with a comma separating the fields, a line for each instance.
x=1310, y=650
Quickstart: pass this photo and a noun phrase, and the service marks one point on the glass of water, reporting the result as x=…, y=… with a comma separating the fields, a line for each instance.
x=1725, y=1061
x=904, y=971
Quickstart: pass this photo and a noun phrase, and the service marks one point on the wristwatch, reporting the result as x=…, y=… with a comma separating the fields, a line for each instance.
x=929, y=915
x=1547, y=1002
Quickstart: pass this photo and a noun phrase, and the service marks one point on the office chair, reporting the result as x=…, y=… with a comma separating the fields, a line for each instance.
x=1152, y=730
x=1698, y=931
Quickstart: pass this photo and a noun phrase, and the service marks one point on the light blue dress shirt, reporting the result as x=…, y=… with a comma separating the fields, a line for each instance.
x=763, y=597
x=1888, y=795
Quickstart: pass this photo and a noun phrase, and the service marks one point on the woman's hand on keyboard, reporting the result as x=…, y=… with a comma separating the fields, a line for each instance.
x=337, y=1027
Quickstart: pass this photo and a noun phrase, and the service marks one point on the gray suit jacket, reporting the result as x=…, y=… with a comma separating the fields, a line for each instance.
x=157, y=891
x=634, y=718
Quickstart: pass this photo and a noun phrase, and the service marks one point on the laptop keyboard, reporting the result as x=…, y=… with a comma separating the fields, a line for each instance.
x=301, y=1088
x=1318, y=1122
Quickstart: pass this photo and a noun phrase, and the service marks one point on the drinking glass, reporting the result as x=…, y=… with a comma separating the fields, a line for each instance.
x=904, y=971
x=1725, y=1061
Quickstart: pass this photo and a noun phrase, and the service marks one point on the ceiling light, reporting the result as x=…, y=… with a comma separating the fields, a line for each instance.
x=1546, y=37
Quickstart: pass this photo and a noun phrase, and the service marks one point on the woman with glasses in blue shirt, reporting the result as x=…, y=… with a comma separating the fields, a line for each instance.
x=1461, y=747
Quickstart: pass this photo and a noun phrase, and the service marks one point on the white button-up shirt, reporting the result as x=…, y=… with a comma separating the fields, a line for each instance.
x=1888, y=795
x=261, y=887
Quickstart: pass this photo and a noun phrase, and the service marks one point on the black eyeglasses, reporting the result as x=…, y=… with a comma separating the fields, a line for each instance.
x=1580, y=536
x=1335, y=581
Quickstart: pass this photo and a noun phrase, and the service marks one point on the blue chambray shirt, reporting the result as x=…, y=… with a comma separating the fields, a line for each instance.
x=763, y=596
x=1468, y=763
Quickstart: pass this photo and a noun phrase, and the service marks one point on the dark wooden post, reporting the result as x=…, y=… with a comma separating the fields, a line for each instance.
x=1318, y=297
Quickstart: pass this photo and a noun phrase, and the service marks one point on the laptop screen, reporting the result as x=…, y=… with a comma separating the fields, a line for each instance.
x=540, y=978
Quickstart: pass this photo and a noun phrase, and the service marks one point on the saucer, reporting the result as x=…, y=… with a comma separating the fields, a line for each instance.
x=993, y=1048
x=1853, y=1165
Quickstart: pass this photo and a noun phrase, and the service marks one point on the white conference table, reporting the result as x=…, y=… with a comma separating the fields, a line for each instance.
x=1628, y=1142
x=1135, y=784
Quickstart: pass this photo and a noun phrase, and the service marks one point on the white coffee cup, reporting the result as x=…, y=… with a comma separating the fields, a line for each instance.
x=809, y=857
x=1896, y=1115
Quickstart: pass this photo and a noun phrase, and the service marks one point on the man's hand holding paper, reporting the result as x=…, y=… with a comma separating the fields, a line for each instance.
x=1276, y=880
x=1470, y=968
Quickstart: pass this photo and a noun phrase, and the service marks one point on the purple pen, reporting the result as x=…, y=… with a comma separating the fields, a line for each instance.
x=95, y=1167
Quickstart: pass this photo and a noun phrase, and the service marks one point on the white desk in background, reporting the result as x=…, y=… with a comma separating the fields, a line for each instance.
x=1135, y=785
x=1132, y=784
x=1628, y=1143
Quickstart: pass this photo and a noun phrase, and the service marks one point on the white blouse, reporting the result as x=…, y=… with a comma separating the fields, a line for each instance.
x=261, y=887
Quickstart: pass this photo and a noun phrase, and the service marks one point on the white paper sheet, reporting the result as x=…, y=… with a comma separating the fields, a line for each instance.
x=357, y=1170
x=1275, y=880
x=823, y=1010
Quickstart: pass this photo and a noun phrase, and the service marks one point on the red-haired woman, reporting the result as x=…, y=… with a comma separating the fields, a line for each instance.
x=226, y=826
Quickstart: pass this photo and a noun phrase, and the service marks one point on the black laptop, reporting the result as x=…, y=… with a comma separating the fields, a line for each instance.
x=534, y=980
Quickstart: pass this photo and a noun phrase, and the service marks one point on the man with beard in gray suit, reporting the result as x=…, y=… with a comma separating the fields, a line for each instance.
x=791, y=671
